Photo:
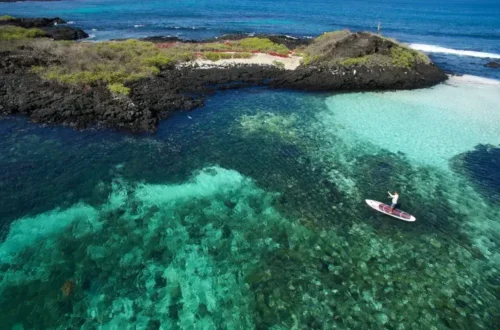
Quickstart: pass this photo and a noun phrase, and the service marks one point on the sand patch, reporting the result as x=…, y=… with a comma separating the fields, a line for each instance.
x=290, y=63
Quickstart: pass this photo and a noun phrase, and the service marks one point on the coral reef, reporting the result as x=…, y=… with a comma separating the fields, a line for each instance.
x=266, y=122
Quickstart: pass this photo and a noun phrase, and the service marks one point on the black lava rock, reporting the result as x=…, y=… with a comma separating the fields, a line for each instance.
x=493, y=64
x=51, y=27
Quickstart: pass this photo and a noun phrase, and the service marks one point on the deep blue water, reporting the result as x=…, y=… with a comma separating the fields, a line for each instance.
x=453, y=24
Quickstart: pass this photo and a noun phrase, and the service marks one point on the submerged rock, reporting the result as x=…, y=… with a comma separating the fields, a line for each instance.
x=493, y=65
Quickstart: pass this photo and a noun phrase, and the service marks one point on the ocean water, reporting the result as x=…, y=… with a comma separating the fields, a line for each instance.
x=460, y=35
x=249, y=213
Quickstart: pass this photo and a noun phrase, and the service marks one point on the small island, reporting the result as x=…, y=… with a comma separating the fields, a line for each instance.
x=131, y=84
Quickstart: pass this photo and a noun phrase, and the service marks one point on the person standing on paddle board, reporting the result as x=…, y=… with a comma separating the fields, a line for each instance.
x=394, y=199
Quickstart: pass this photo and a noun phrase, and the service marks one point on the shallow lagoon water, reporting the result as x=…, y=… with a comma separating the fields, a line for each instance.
x=430, y=126
x=247, y=214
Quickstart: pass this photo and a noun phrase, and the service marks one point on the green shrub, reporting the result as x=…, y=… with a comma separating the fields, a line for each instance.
x=213, y=46
x=8, y=32
x=112, y=63
x=6, y=18
x=261, y=45
x=355, y=61
x=215, y=56
x=405, y=57
x=119, y=89
x=307, y=59
x=179, y=54
x=242, y=55
x=159, y=60
x=279, y=64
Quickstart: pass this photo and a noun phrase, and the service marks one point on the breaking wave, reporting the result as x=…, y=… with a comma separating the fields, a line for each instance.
x=438, y=49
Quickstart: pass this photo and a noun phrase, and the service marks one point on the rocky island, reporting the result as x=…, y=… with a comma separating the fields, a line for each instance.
x=132, y=84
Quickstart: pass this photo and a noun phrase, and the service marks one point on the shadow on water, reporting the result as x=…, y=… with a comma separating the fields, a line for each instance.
x=481, y=166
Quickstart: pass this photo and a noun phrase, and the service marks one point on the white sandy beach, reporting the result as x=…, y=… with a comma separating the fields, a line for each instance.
x=291, y=63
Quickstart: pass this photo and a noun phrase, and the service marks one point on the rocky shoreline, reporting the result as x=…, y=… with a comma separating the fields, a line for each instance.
x=176, y=88
x=51, y=26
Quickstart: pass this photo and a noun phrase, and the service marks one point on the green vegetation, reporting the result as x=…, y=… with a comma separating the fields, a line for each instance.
x=119, y=89
x=333, y=36
x=215, y=56
x=113, y=63
x=261, y=45
x=244, y=46
x=350, y=61
x=279, y=64
x=6, y=18
x=242, y=55
x=307, y=59
x=334, y=48
x=8, y=33
x=213, y=46
x=402, y=56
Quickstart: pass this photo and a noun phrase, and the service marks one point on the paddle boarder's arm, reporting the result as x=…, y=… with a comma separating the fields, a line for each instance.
x=392, y=196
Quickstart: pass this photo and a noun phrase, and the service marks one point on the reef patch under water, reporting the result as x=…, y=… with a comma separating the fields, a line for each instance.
x=210, y=224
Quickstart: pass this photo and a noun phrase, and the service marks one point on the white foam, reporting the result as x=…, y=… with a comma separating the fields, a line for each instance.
x=138, y=25
x=439, y=49
x=469, y=79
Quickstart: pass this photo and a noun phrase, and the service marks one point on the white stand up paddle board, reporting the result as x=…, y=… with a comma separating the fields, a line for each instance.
x=386, y=209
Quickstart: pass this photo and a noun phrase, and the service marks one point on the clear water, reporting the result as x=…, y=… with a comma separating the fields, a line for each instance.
x=456, y=25
x=249, y=215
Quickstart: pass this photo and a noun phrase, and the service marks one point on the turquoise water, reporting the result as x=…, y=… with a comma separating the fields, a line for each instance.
x=250, y=214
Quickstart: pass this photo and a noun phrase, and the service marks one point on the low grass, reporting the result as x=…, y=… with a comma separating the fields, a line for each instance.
x=113, y=63
x=263, y=45
x=332, y=37
x=322, y=51
x=399, y=56
x=322, y=45
x=6, y=18
x=405, y=57
x=247, y=45
x=215, y=56
x=352, y=61
x=9, y=33
x=118, y=88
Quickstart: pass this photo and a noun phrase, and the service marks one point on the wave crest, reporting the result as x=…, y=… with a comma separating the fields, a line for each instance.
x=438, y=49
